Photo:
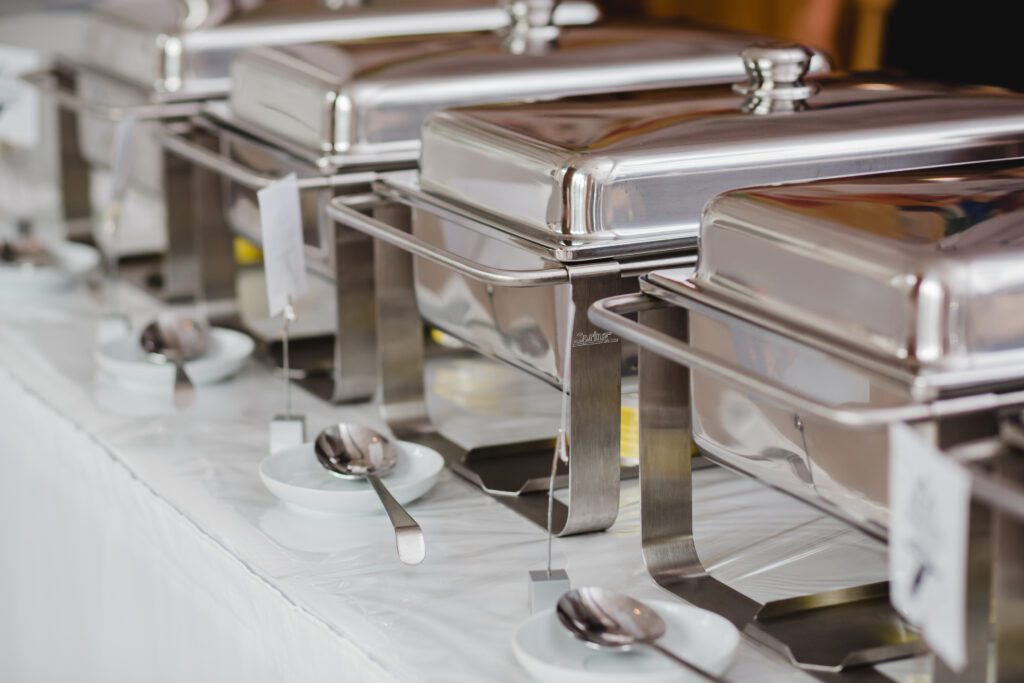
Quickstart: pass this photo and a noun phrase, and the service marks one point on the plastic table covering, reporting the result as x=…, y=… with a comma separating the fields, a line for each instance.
x=138, y=544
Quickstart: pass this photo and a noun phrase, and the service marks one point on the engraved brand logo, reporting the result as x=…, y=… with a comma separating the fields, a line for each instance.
x=593, y=339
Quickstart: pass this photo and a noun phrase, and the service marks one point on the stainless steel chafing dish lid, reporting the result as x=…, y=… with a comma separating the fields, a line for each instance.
x=632, y=172
x=368, y=102
x=184, y=49
x=923, y=270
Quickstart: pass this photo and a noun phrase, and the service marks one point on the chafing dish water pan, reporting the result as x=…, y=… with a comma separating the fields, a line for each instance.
x=518, y=209
x=818, y=315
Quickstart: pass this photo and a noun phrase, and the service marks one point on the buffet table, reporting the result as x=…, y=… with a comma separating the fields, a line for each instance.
x=139, y=543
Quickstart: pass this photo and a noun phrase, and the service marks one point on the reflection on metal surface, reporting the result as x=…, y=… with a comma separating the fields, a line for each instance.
x=777, y=73
x=596, y=169
x=947, y=225
x=185, y=49
x=923, y=264
x=922, y=261
x=359, y=103
x=334, y=112
x=159, y=61
x=619, y=172
x=824, y=632
x=533, y=29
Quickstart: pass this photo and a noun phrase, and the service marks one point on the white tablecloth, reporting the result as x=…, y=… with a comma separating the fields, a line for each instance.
x=137, y=544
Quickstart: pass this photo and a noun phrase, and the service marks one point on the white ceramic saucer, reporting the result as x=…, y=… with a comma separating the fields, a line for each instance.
x=124, y=359
x=552, y=655
x=296, y=477
x=75, y=260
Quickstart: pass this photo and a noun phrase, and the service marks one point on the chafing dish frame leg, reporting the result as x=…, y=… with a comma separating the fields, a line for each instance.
x=805, y=629
x=352, y=374
x=1009, y=582
x=594, y=403
x=200, y=260
x=355, y=372
x=74, y=178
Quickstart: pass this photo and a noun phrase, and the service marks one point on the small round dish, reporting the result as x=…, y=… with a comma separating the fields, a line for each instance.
x=296, y=477
x=74, y=261
x=552, y=655
x=124, y=359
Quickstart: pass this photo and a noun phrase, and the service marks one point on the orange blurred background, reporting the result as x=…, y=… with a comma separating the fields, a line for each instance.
x=948, y=42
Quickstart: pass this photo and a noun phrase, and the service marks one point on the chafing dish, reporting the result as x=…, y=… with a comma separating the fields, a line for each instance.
x=157, y=61
x=818, y=315
x=519, y=209
x=341, y=115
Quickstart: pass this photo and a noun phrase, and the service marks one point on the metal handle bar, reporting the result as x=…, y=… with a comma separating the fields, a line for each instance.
x=178, y=144
x=343, y=210
x=48, y=83
x=339, y=210
x=610, y=314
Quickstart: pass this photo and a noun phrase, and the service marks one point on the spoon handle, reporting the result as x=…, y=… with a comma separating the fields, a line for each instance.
x=184, y=390
x=689, y=665
x=408, y=535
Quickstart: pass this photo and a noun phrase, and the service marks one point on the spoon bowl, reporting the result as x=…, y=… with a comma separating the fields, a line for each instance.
x=353, y=451
x=607, y=620
x=175, y=339
x=171, y=335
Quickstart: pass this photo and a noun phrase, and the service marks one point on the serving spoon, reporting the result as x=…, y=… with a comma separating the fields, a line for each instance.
x=175, y=339
x=352, y=451
x=607, y=620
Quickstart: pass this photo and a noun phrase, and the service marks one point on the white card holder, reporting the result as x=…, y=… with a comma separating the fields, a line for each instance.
x=287, y=432
x=112, y=327
x=930, y=499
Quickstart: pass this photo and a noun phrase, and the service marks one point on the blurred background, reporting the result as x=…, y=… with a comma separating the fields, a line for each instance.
x=953, y=42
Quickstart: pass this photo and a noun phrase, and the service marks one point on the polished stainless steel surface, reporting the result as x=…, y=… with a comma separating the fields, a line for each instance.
x=181, y=50
x=994, y=468
x=627, y=171
x=517, y=474
x=607, y=620
x=158, y=59
x=925, y=263
x=777, y=75
x=503, y=296
x=367, y=102
x=916, y=323
x=353, y=451
x=492, y=282
x=175, y=339
x=824, y=633
x=793, y=430
x=288, y=104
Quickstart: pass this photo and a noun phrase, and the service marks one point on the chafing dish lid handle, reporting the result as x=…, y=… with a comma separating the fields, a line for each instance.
x=532, y=28
x=776, y=74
